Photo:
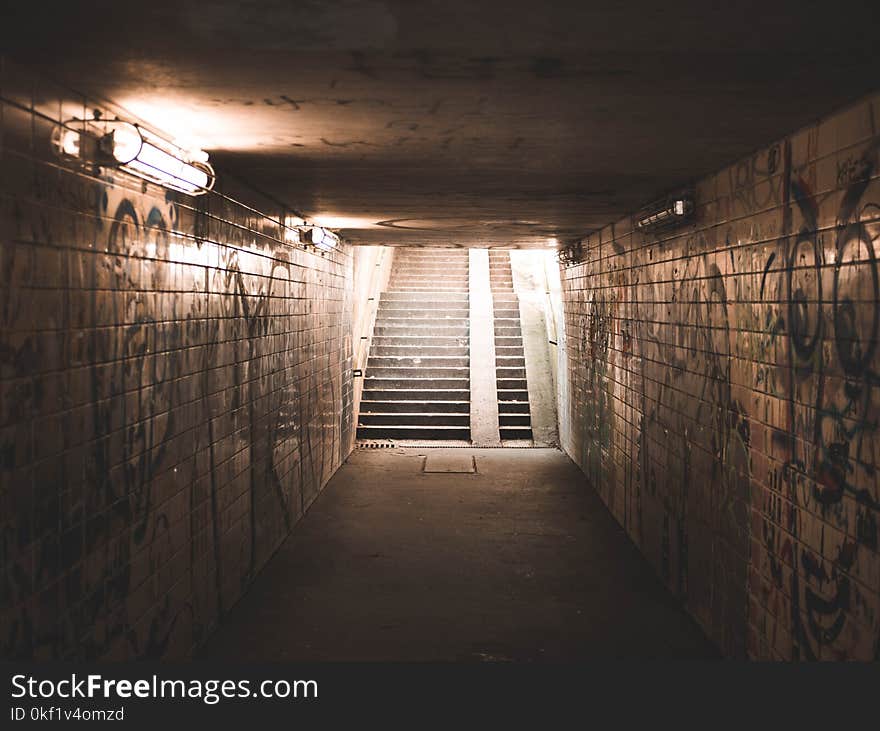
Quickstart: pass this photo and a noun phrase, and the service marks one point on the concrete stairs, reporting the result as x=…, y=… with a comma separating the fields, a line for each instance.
x=514, y=417
x=417, y=381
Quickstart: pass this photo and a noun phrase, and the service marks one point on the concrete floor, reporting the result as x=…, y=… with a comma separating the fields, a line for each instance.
x=520, y=561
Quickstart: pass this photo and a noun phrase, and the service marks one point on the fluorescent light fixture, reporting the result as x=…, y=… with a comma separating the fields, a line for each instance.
x=137, y=151
x=571, y=254
x=320, y=237
x=667, y=213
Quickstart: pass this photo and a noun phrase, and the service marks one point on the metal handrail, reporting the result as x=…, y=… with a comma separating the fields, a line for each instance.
x=548, y=307
x=363, y=327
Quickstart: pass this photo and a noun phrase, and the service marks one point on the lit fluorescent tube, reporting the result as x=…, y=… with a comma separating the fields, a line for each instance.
x=136, y=151
x=321, y=238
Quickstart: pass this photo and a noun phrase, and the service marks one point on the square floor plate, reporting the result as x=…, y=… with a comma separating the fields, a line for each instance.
x=450, y=463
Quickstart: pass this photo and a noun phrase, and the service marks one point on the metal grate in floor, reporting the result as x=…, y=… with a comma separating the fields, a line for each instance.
x=458, y=464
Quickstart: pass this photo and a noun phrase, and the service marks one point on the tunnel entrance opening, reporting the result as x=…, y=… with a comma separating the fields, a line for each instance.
x=460, y=348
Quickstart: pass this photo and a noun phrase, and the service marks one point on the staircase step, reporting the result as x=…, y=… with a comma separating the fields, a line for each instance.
x=384, y=315
x=415, y=266
x=377, y=383
x=413, y=432
x=423, y=321
x=452, y=273
x=412, y=394
x=418, y=372
x=440, y=274
x=403, y=261
x=508, y=350
x=513, y=407
x=416, y=419
x=446, y=268
x=438, y=277
x=417, y=361
x=419, y=351
x=383, y=341
x=446, y=271
x=404, y=302
x=432, y=253
x=398, y=309
x=429, y=283
x=429, y=260
x=427, y=287
x=399, y=326
x=424, y=296
x=415, y=407
x=397, y=330
x=514, y=420
x=456, y=299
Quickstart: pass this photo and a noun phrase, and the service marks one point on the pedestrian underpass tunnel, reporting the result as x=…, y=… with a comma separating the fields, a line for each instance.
x=327, y=336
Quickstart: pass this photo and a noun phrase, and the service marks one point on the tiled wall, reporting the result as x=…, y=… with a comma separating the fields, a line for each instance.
x=724, y=393
x=175, y=389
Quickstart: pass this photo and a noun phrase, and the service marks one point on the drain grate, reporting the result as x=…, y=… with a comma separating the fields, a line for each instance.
x=455, y=464
x=418, y=445
x=443, y=445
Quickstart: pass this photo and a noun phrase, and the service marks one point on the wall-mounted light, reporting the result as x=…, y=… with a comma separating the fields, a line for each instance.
x=135, y=150
x=319, y=237
x=666, y=213
x=571, y=254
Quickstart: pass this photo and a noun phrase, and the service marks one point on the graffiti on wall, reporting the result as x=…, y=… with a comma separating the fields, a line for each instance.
x=730, y=375
x=192, y=412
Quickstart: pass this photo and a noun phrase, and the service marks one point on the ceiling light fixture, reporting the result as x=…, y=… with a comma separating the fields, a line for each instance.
x=136, y=151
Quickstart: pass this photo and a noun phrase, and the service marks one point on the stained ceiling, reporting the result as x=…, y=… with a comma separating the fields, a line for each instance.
x=473, y=123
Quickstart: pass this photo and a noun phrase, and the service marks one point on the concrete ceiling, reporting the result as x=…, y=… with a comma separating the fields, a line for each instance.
x=473, y=123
